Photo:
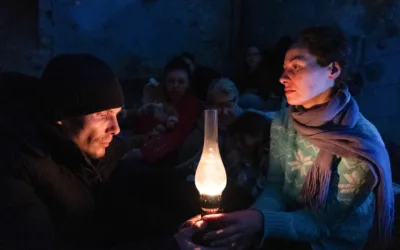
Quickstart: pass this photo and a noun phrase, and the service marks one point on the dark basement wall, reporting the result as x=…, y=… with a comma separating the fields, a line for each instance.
x=138, y=37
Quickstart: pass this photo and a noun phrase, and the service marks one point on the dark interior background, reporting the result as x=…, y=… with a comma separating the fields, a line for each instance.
x=137, y=37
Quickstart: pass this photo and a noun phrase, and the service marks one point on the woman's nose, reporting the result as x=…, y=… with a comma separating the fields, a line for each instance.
x=284, y=79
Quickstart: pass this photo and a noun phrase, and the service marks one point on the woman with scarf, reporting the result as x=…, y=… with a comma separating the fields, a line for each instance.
x=329, y=184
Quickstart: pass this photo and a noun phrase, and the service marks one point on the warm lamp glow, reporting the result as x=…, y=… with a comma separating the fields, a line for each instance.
x=210, y=178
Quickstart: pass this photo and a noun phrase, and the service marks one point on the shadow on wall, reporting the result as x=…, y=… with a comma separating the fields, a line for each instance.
x=144, y=2
x=133, y=66
x=381, y=11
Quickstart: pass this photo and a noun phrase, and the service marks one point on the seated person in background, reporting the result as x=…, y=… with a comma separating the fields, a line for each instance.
x=201, y=76
x=246, y=150
x=222, y=95
x=254, y=75
x=259, y=85
x=154, y=97
x=329, y=183
x=161, y=149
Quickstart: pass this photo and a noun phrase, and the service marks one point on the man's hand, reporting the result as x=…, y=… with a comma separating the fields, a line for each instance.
x=242, y=227
x=185, y=233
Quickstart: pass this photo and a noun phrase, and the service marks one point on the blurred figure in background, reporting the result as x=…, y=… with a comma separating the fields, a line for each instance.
x=256, y=83
x=161, y=149
x=201, y=76
x=246, y=150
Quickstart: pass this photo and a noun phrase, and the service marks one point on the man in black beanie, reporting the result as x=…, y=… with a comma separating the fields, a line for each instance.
x=56, y=157
x=57, y=153
x=82, y=94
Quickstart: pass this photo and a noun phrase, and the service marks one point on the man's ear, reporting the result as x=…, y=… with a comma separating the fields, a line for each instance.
x=335, y=71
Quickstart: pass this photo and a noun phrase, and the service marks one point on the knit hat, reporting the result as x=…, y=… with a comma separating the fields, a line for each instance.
x=78, y=84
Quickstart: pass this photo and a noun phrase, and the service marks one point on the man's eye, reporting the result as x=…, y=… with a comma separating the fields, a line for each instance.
x=296, y=67
x=102, y=115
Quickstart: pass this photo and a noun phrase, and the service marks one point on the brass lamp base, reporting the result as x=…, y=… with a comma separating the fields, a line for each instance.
x=210, y=204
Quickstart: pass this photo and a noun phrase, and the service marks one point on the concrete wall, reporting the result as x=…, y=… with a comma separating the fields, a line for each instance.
x=373, y=27
x=138, y=37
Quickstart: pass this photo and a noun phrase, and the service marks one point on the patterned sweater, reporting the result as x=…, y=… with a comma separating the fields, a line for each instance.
x=348, y=215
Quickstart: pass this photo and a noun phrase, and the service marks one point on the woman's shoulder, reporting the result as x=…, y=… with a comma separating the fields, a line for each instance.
x=365, y=127
x=281, y=118
x=359, y=168
x=281, y=125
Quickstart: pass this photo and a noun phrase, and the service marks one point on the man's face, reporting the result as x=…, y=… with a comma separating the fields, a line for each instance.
x=95, y=131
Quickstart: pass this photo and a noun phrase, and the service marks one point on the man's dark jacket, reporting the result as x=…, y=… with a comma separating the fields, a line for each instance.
x=51, y=194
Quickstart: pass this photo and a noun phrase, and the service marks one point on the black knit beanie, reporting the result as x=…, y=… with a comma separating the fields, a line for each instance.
x=78, y=84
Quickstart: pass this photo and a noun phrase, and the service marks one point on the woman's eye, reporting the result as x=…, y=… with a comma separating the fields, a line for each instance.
x=296, y=66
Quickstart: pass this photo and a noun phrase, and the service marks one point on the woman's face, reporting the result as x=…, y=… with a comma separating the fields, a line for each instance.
x=176, y=83
x=306, y=83
x=253, y=57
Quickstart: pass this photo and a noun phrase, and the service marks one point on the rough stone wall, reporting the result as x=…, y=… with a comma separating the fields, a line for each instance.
x=21, y=47
x=137, y=37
